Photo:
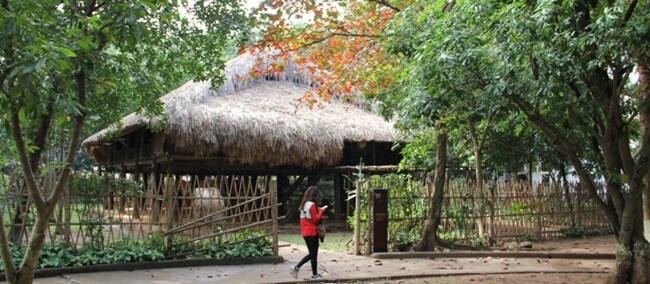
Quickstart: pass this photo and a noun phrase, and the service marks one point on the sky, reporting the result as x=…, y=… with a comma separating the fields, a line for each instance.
x=252, y=3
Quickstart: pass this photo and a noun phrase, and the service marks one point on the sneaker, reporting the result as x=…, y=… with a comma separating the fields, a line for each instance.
x=294, y=272
x=317, y=276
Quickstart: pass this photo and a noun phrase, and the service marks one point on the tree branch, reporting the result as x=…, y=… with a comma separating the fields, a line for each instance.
x=472, y=133
x=30, y=179
x=565, y=147
x=91, y=8
x=490, y=118
x=629, y=11
x=386, y=4
x=64, y=177
x=349, y=34
x=40, y=137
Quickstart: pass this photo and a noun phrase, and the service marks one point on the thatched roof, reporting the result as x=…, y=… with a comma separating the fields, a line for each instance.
x=256, y=121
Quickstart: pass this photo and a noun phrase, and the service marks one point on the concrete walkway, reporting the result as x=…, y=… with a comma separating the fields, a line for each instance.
x=340, y=267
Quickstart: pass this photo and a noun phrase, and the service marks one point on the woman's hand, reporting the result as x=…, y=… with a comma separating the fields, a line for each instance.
x=323, y=208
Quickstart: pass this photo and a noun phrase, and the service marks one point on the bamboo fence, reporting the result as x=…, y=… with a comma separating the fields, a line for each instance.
x=181, y=208
x=503, y=212
x=519, y=211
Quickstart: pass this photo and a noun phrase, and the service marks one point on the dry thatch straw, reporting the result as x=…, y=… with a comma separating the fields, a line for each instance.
x=255, y=120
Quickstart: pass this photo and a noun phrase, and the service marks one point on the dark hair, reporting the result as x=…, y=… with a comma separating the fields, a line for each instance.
x=311, y=194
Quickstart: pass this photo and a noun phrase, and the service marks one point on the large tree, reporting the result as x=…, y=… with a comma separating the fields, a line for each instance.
x=94, y=60
x=344, y=38
x=348, y=40
x=567, y=67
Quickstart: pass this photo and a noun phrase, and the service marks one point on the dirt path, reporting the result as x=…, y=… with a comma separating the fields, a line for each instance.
x=341, y=267
x=537, y=278
x=599, y=244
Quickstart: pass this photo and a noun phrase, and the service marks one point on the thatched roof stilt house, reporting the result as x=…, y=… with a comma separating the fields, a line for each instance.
x=250, y=126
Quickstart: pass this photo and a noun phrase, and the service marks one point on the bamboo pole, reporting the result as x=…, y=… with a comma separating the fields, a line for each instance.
x=369, y=220
x=357, y=219
x=540, y=209
x=274, y=212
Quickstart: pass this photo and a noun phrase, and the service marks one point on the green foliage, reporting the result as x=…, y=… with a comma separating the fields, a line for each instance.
x=61, y=254
x=93, y=228
x=404, y=240
x=17, y=252
x=565, y=67
x=89, y=188
x=248, y=244
x=420, y=152
x=530, y=236
x=477, y=241
x=63, y=62
x=459, y=218
x=242, y=244
x=124, y=251
x=518, y=207
x=582, y=232
x=56, y=254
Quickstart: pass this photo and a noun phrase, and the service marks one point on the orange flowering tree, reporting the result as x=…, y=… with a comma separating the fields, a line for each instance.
x=344, y=38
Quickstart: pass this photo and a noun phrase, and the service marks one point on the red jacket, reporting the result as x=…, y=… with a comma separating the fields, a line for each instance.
x=310, y=215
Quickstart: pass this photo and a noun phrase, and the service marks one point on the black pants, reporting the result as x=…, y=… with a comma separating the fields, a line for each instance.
x=312, y=247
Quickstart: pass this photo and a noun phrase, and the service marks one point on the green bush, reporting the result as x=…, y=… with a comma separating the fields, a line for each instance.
x=56, y=254
x=61, y=254
x=243, y=244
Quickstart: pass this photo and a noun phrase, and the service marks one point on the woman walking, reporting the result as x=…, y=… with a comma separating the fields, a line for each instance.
x=310, y=215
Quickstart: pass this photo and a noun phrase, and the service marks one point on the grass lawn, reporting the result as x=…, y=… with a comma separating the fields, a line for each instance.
x=334, y=241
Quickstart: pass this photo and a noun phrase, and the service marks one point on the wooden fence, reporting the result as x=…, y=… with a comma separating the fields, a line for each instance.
x=105, y=209
x=502, y=212
x=507, y=211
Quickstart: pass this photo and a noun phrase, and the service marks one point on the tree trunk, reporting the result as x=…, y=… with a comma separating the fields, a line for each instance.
x=25, y=274
x=633, y=250
x=632, y=263
x=478, y=172
x=567, y=195
x=644, y=118
x=429, y=240
x=478, y=158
